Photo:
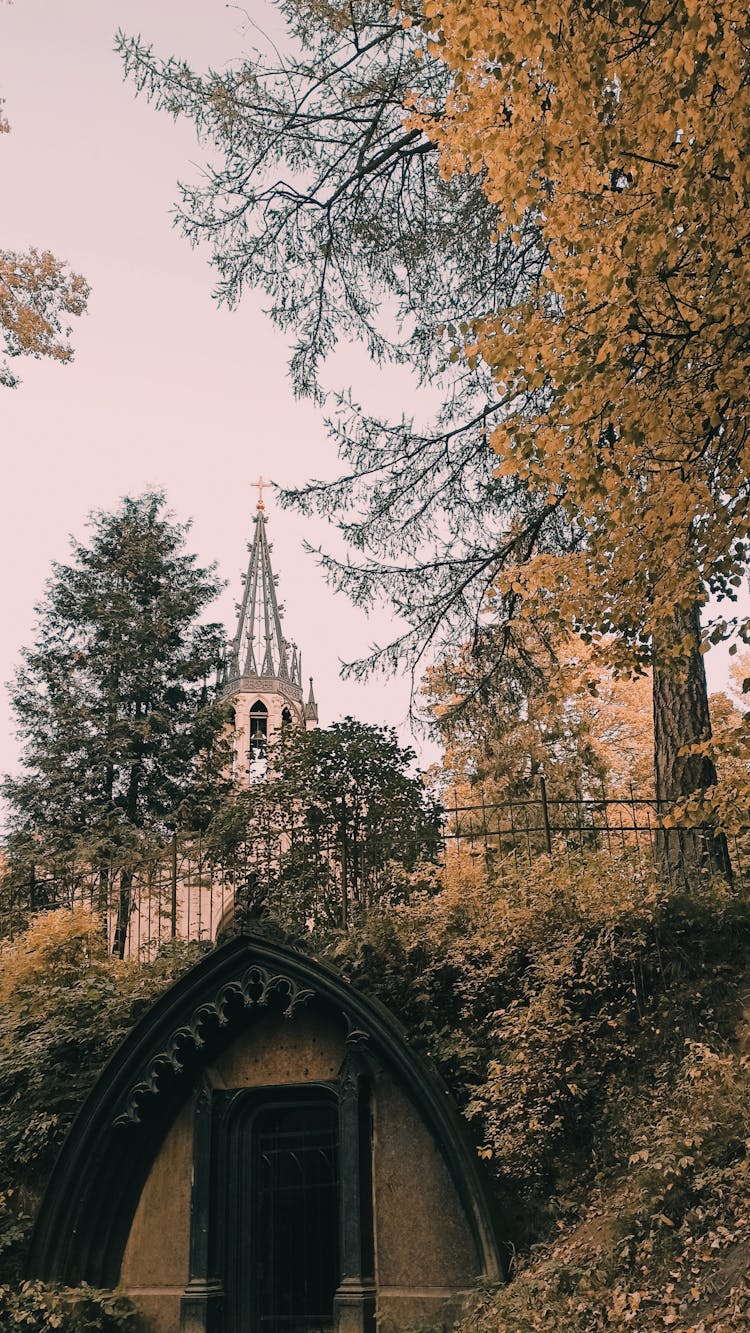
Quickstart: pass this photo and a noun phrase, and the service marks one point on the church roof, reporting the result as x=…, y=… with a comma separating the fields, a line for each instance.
x=260, y=654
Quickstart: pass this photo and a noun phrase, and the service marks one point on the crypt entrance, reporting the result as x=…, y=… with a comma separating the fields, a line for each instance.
x=275, y=1205
x=266, y=1154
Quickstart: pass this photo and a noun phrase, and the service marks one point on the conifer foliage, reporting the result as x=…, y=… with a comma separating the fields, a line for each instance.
x=121, y=736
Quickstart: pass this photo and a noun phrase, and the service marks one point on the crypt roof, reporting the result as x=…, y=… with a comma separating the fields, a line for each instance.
x=90, y=1201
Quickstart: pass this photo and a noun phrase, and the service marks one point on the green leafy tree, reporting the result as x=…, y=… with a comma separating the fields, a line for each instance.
x=121, y=735
x=339, y=824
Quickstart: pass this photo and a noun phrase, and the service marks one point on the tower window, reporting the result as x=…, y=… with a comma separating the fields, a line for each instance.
x=258, y=729
x=286, y=717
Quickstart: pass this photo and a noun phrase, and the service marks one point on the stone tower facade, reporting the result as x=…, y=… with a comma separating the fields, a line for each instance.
x=263, y=681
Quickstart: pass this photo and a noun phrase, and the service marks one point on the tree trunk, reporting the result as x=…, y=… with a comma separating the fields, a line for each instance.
x=344, y=868
x=682, y=719
x=103, y=898
x=125, y=896
x=124, y=907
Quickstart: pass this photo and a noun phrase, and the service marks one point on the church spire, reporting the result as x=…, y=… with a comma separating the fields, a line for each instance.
x=311, y=707
x=262, y=684
x=259, y=649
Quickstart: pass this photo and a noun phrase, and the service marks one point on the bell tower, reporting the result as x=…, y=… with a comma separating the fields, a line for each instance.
x=263, y=681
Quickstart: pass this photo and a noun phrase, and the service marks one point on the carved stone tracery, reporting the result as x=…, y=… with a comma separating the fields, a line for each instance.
x=254, y=989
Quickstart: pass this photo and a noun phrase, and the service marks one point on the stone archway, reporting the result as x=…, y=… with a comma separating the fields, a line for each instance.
x=256, y=1020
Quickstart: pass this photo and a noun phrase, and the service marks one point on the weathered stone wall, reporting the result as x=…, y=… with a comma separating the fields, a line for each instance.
x=155, y=1263
x=424, y=1252
x=277, y=1051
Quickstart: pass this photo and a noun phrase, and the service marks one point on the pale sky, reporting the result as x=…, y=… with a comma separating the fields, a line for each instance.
x=165, y=389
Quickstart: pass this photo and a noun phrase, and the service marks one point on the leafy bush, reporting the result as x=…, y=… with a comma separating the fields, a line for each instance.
x=65, y=1004
x=661, y=1243
x=553, y=1002
x=37, y=1308
x=586, y=1023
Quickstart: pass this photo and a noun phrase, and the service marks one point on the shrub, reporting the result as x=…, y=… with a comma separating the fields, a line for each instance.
x=65, y=1004
x=36, y=1308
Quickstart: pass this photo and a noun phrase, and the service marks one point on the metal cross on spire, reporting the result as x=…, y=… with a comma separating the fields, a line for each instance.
x=260, y=485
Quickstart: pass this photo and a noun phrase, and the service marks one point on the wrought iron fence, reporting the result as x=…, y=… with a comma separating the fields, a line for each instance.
x=627, y=828
x=188, y=888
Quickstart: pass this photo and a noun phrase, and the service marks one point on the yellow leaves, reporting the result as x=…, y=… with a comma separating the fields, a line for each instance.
x=37, y=294
x=630, y=366
x=56, y=945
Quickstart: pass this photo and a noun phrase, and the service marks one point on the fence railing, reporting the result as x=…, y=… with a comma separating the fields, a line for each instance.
x=187, y=888
x=626, y=827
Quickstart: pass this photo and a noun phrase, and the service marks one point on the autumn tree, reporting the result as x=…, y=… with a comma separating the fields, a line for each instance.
x=561, y=216
x=38, y=297
x=625, y=135
x=121, y=735
x=555, y=712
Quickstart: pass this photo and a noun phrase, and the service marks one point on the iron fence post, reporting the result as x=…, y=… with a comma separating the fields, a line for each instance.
x=174, y=884
x=545, y=814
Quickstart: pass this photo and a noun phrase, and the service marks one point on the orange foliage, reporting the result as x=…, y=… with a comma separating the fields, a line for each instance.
x=570, y=718
x=37, y=296
x=621, y=132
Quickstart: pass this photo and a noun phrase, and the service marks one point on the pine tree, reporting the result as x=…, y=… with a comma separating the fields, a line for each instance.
x=121, y=737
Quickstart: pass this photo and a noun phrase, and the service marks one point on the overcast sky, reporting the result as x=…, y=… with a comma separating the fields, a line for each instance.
x=166, y=389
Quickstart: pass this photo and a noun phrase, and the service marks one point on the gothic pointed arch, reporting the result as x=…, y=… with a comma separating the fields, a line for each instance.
x=87, y=1211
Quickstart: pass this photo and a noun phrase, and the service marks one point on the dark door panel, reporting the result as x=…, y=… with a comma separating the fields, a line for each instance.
x=277, y=1205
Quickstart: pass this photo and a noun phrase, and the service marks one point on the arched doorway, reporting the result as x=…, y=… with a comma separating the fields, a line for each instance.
x=276, y=1208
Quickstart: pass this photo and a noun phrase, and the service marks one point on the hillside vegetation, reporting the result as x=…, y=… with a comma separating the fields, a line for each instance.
x=592, y=1030
x=595, y=1036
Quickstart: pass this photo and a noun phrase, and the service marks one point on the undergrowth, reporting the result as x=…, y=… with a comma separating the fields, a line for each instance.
x=65, y=1004
x=591, y=1028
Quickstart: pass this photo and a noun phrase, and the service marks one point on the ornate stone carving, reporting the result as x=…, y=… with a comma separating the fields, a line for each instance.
x=256, y=988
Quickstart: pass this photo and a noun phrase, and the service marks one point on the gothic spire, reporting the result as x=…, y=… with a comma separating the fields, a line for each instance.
x=311, y=707
x=259, y=648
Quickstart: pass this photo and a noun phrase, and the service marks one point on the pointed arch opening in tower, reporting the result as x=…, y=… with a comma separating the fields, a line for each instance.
x=258, y=730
